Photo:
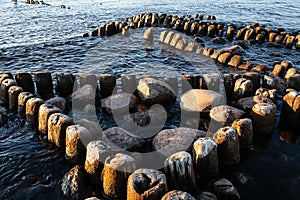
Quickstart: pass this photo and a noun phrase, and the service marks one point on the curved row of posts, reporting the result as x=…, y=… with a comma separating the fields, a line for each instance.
x=116, y=174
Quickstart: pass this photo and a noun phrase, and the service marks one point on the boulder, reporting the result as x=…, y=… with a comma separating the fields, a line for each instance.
x=242, y=88
x=146, y=184
x=198, y=100
x=83, y=96
x=235, y=61
x=224, y=189
x=120, y=103
x=177, y=195
x=122, y=139
x=74, y=184
x=170, y=141
x=152, y=91
x=247, y=103
x=225, y=114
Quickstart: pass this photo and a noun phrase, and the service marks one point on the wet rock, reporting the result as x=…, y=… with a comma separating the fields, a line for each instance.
x=297, y=42
x=225, y=114
x=290, y=42
x=278, y=70
x=275, y=54
x=96, y=153
x=121, y=139
x=250, y=35
x=272, y=36
x=198, y=39
x=243, y=88
x=44, y=84
x=208, y=51
x=263, y=117
x=254, y=77
x=5, y=86
x=92, y=198
x=269, y=93
x=228, y=145
x=169, y=37
x=290, y=72
x=77, y=138
x=260, y=69
x=205, y=157
x=247, y=103
x=59, y=102
x=199, y=100
x=224, y=58
x=230, y=32
x=175, y=39
x=24, y=80
x=242, y=43
x=294, y=82
x=190, y=47
x=22, y=100
x=179, y=170
x=74, y=184
x=177, y=195
x=216, y=54
x=219, y=40
x=119, y=103
x=241, y=34
x=181, y=44
x=32, y=110
x=260, y=38
x=245, y=66
x=224, y=189
x=170, y=141
x=163, y=35
x=241, y=178
x=152, y=91
x=148, y=35
x=211, y=30
x=235, y=49
x=13, y=94
x=207, y=196
x=65, y=84
x=287, y=64
x=57, y=126
x=290, y=113
x=244, y=130
x=235, y=61
x=146, y=184
x=83, y=96
x=128, y=83
x=116, y=171
x=45, y=111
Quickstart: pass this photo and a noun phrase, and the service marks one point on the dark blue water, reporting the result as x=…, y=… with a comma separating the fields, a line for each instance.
x=46, y=38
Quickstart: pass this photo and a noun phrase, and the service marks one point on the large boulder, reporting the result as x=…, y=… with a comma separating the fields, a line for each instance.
x=177, y=195
x=152, y=91
x=225, y=114
x=120, y=103
x=170, y=141
x=247, y=103
x=198, y=100
x=74, y=184
x=84, y=96
x=122, y=139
